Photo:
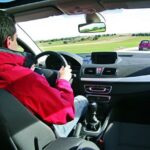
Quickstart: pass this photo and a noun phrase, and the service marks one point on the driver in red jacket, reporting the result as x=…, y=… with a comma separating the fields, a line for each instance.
x=52, y=105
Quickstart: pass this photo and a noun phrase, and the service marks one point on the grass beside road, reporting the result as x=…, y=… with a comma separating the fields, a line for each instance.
x=108, y=43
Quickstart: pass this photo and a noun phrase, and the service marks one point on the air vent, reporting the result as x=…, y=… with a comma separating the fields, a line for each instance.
x=109, y=71
x=90, y=71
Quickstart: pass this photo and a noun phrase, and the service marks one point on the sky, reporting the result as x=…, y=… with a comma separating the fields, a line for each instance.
x=4, y=1
x=117, y=21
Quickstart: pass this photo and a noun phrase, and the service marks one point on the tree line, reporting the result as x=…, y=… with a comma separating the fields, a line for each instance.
x=85, y=38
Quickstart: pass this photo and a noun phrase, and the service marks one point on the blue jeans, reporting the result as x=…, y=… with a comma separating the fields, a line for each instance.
x=81, y=104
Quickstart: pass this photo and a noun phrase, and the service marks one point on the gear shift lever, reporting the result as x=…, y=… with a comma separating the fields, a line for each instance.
x=92, y=122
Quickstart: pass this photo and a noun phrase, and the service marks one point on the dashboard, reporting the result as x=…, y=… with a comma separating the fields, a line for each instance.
x=108, y=66
x=125, y=77
x=125, y=74
x=122, y=66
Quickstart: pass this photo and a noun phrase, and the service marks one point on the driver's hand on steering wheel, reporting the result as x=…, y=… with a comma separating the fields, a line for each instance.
x=65, y=73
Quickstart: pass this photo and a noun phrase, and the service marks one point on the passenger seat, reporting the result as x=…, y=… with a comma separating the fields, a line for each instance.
x=127, y=136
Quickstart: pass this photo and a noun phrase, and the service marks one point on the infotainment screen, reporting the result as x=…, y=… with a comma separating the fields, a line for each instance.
x=103, y=57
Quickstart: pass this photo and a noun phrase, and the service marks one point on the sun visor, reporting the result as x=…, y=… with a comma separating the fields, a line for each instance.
x=33, y=11
x=80, y=6
x=36, y=14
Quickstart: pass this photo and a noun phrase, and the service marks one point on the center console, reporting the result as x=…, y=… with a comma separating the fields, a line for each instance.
x=99, y=93
x=101, y=66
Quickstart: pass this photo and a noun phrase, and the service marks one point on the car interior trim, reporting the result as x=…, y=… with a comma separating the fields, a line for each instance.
x=145, y=78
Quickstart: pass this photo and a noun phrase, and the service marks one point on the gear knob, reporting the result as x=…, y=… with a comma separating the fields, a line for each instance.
x=93, y=107
x=92, y=121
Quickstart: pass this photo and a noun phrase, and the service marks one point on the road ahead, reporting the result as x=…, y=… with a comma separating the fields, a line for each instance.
x=129, y=49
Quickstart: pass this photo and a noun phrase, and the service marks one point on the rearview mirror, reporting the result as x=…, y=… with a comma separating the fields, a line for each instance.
x=92, y=27
x=93, y=24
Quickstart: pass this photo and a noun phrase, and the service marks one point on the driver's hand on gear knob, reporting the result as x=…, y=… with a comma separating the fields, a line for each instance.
x=65, y=73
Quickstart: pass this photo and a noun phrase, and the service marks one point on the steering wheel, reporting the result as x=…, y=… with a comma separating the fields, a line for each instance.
x=51, y=74
x=53, y=54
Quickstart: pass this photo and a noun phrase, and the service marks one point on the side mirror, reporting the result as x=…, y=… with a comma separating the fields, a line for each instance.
x=93, y=24
x=92, y=27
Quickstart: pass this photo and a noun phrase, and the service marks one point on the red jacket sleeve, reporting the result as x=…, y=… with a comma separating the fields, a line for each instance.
x=53, y=105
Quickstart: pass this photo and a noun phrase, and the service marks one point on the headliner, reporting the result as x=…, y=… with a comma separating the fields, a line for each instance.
x=34, y=9
x=17, y=3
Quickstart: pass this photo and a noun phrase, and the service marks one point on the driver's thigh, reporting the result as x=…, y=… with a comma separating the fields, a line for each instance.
x=81, y=105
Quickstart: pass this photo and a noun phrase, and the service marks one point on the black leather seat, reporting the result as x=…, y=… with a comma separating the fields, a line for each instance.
x=129, y=125
x=20, y=129
x=127, y=136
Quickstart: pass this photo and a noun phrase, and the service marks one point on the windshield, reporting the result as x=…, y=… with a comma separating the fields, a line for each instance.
x=125, y=29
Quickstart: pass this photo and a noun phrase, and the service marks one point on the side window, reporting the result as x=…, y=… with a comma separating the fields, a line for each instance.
x=145, y=42
x=20, y=48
